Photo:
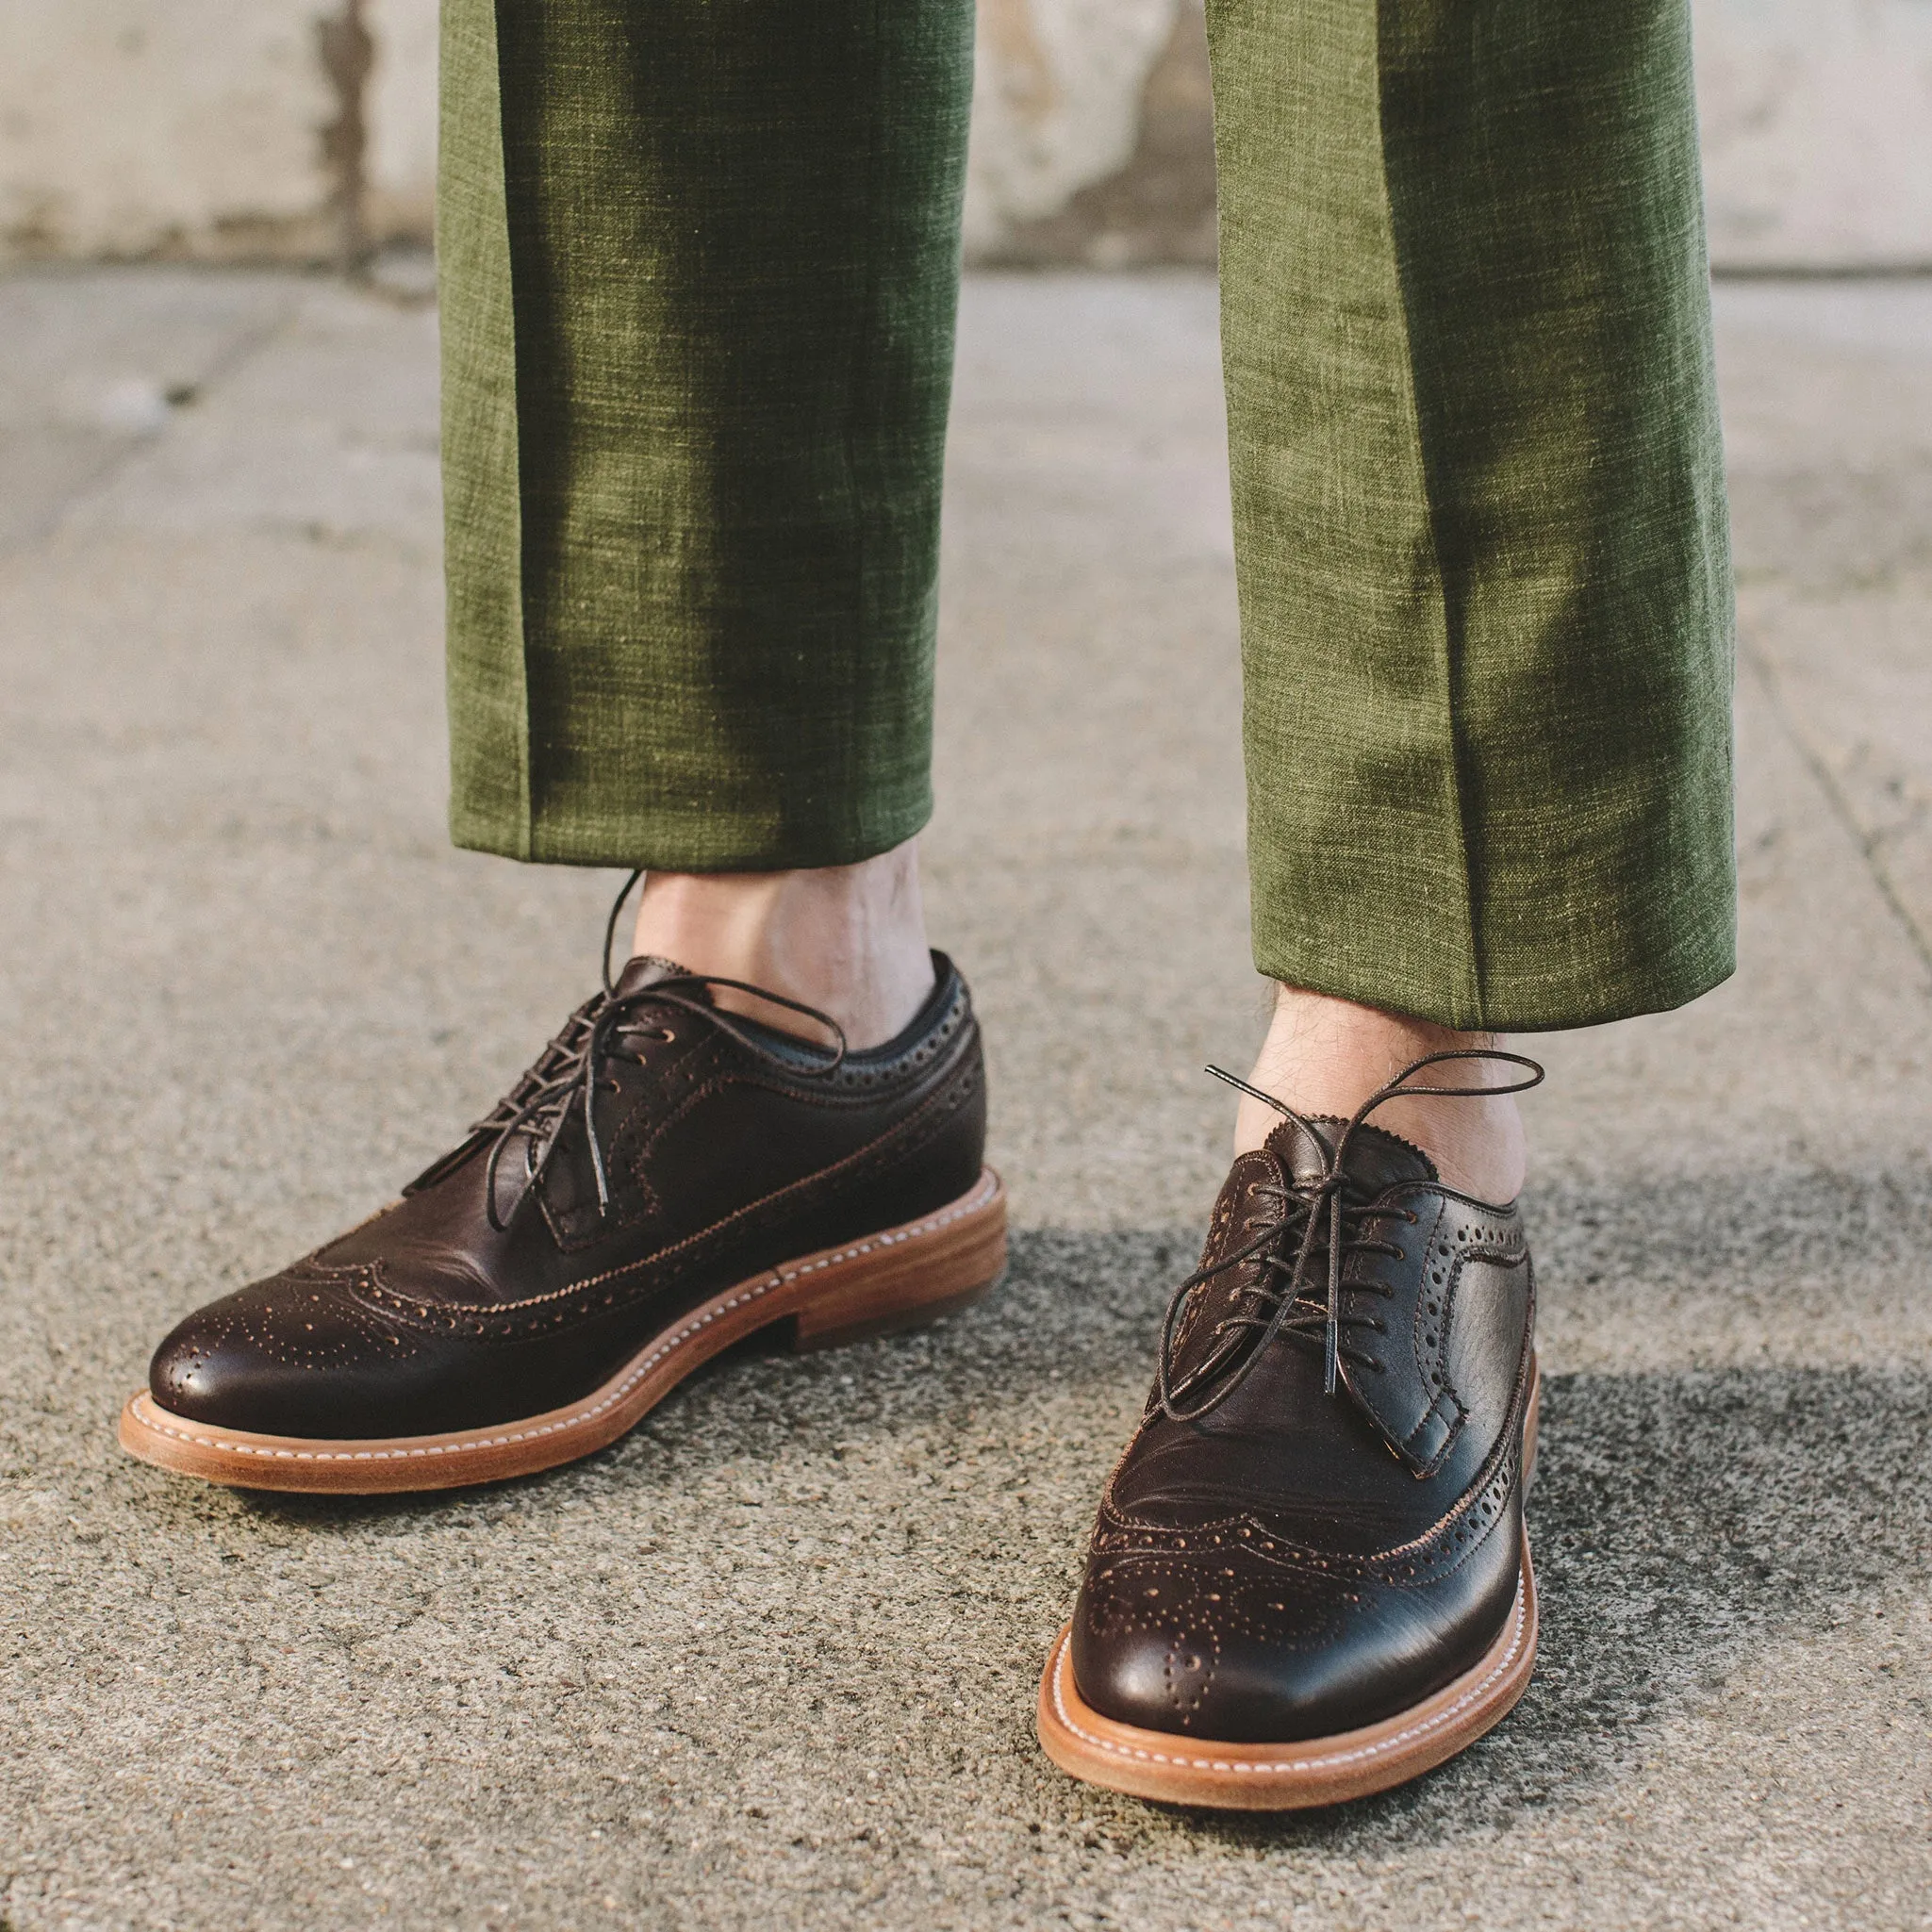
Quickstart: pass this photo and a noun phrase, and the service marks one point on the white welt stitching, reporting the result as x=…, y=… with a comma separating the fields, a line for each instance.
x=778, y=1278
x=1322, y=1763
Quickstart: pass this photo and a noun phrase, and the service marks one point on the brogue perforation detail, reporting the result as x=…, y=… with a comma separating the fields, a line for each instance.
x=862, y=1075
x=1118, y=1537
x=1195, y=1616
x=658, y=1273
x=1456, y=1537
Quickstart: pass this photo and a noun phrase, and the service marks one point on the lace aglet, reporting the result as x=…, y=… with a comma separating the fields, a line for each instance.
x=596, y=1147
x=597, y=1166
x=1330, y=1365
x=597, y=1174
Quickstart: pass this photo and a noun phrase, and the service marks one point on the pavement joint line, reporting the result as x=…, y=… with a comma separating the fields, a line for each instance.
x=1866, y=842
x=237, y=352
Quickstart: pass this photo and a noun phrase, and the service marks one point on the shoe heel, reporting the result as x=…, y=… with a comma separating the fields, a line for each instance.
x=911, y=1278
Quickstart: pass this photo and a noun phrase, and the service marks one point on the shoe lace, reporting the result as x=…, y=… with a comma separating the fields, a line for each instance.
x=569, y=1073
x=1326, y=1218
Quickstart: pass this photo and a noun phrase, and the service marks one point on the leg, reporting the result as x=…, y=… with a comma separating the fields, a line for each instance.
x=1486, y=625
x=1488, y=678
x=699, y=267
x=701, y=286
x=1478, y=495
x=849, y=940
x=1327, y=1056
x=699, y=271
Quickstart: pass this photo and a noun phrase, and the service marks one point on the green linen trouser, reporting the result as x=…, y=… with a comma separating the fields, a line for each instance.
x=699, y=263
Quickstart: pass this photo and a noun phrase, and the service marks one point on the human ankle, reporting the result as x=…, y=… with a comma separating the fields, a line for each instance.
x=849, y=940
x=1324, y=1055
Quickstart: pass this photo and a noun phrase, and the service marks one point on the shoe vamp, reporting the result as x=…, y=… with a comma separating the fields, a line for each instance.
x=1282, y=1451
x=437, y=1246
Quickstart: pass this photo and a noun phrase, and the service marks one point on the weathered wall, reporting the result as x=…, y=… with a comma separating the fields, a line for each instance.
x=400, y=160
x=305, y=129
x=1817, y=130
x=140, y=126
x=272, y=129
x=1817, y=123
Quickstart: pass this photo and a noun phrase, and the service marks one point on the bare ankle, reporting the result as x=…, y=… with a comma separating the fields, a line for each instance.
x=849, y=940
x=1324, y=1055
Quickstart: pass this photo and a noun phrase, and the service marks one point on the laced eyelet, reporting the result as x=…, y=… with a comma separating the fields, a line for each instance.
x=573, y=1068
x=1325, y=1231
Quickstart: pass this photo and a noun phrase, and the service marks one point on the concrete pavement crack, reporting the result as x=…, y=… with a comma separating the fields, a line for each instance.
x=1841, y=808
x=228, y=360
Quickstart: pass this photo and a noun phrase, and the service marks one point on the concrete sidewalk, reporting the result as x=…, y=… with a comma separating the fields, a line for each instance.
x=770, y=1661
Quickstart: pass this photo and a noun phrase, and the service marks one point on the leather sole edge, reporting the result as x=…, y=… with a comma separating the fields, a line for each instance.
x=899, y=1278
x=1285, y=1777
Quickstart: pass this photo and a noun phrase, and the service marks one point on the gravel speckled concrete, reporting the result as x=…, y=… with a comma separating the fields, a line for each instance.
x=770, y=1661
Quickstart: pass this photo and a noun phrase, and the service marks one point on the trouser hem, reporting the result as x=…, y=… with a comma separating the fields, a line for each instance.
x=1552, y=1005
x=706, y=843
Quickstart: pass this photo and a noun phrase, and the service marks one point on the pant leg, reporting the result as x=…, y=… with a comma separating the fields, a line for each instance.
x=1482, y=547
x=698, y=264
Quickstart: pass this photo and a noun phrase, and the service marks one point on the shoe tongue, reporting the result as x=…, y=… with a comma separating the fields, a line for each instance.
x=1375, y=1159
x=646, y=970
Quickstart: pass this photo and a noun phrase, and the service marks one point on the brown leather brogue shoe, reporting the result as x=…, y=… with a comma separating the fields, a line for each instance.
x=1309, y=1579
x=667, y=1179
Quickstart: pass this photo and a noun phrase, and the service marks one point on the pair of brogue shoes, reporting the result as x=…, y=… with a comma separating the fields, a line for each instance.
x=1309, y=1578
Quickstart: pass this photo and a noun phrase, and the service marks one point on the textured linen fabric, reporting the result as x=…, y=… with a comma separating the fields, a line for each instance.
x=699, y=263
x=693, y=528
x=483, y=521
x=1479, y=498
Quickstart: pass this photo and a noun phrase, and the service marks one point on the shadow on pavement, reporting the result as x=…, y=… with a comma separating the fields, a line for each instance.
x=1679, y=1519
x=1678, y=1522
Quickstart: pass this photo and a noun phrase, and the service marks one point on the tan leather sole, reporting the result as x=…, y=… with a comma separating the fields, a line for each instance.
x=1317, y=1771
x=899, y=1277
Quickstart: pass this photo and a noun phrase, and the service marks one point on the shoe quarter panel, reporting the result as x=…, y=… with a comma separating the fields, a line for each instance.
x=1489, y=1319
x=1455, y=1306
x=1404, y=1387
x=729, y=1168
x=700, y=1133
x=745, y=1134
